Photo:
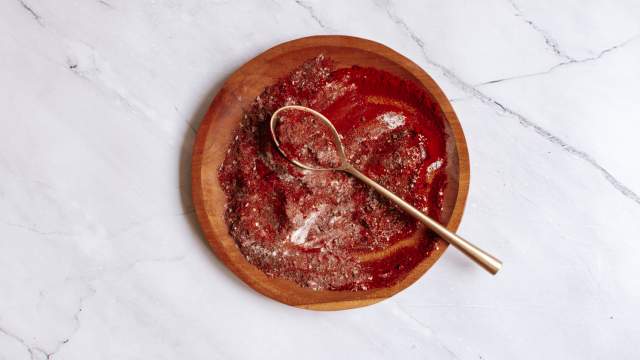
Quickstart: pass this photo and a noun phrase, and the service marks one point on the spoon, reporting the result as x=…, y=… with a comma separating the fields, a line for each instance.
x=482, y=258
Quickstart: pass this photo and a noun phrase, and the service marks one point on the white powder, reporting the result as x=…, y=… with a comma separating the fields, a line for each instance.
x=434, y=166
x=335, y=89
x=299, y=235
x=391, y=119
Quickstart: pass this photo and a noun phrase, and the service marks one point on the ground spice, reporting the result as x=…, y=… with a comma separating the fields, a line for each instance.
x=306, y=139
x=326, y=230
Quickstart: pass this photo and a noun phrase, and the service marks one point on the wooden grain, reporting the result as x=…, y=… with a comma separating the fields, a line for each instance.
x=224, y=115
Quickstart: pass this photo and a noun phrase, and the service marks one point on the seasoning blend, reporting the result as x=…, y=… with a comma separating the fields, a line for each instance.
x=323, y=229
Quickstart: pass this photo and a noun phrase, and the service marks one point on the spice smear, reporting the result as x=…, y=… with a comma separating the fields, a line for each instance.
x=324, y=229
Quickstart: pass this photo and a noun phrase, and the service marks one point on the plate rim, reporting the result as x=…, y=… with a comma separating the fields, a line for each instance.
x=347, y=302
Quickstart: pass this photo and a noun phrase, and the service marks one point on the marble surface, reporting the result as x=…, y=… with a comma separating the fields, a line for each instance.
x=100, y=255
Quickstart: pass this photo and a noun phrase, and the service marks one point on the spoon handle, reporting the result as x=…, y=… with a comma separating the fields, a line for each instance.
x=488, y=262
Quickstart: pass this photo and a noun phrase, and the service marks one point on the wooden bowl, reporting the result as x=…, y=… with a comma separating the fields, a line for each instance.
x=224, y=115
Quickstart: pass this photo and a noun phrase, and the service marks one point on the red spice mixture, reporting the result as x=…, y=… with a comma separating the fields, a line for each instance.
x=324, y=229
x=316, y=149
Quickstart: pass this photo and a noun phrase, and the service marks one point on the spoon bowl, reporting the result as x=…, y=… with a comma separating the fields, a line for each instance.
x=273, y=123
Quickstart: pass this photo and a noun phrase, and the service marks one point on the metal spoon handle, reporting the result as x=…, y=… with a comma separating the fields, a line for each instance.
x=488, y=262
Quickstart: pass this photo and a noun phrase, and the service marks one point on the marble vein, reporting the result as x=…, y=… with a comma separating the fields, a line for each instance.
x=105, y=4
x=142, y=222
x=35, y=230
x=32, y=12
x=563, y=64
x=312, y=13
x=83, y=301
x=94, y=72
x=35, y=349
x=524, y=121
x=98, y=78
x=158, y=260
x=76, y=322
x=190, y=125
x=86, y=75
x=548, y=39
x=31, y=349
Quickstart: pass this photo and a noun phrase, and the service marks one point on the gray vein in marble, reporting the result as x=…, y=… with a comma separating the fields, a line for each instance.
x=86, y=75
x=474, y=92
x=32, y=350
x=312, y=13
x=105, y=4
x=101, y=84
x=158, y=260
x=92, y=74
x=76, y=322
x=33, y=229
x=138, y=223
x=550, y=41
x=562, y=64
x=32, y=12
x=193, y=128
x=121, y=268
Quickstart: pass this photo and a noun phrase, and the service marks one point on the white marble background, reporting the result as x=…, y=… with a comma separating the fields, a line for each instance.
x=100, y=256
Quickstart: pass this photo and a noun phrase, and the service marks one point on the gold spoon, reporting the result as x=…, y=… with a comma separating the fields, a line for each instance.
x=488, y=262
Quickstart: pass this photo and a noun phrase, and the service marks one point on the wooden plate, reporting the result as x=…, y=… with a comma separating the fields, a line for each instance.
x=224, y=115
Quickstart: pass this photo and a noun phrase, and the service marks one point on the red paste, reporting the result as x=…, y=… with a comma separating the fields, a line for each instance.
x=324, y=229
